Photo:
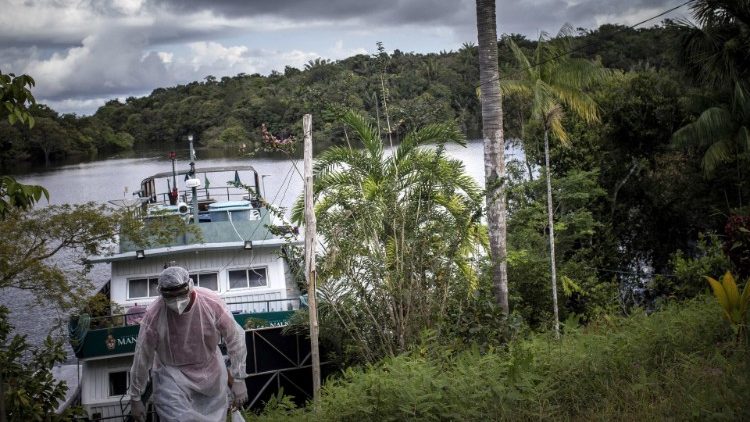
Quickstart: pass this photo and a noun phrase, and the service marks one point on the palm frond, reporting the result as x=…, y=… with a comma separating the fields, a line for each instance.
x=335, y=158
x=741, y=102
x=581, y=103
x=743, y=139
x=556, y=127
x=298, y=210
x=437, y=133
x=542, y=101
x=365, y=131
x=539, y=56
x=566, y=32
x=713, y=124
x=521, y=59
x=579, y=74
x=718, y=153
x=515, y=87
x=324, y=205
x=333, y=181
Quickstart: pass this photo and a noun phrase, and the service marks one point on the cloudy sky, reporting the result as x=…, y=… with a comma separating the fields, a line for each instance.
x=85, y=52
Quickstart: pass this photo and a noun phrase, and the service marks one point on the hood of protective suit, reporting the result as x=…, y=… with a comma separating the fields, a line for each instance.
x=175, y=286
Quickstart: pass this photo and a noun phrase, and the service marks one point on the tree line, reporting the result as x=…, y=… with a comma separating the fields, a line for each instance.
x=229, y=111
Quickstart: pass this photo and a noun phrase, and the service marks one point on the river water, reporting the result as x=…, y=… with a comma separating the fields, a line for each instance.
x=117, y=178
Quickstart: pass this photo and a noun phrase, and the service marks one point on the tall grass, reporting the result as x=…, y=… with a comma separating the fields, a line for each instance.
x=678, y=364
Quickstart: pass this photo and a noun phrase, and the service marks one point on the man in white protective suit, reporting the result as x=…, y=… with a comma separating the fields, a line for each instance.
x=179, y=341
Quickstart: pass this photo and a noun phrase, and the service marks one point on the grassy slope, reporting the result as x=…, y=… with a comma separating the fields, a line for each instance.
x=677, y=364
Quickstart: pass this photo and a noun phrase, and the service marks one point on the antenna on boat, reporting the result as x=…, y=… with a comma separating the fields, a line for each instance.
x=174, y=192
x=192, y=150
x=193, y=182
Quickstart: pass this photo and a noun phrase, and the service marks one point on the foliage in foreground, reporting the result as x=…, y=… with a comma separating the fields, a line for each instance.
x=734, y=304
x=680, y=363
x=30, y=392
x=14, y=96
x=30, y=239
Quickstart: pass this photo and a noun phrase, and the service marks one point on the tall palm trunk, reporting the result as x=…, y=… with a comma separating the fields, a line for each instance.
x=494, y=146
x=551, y=224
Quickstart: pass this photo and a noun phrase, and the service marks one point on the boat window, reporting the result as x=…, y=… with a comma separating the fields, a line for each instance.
x=257, y=277
x=238, y=279
x=206, y=280
x=153, y=287
x=118, y=383
x=143, y=287
x=251, y=277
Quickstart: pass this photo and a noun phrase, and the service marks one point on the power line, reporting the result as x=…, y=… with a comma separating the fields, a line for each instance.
x=635, y=273
x=590, y=43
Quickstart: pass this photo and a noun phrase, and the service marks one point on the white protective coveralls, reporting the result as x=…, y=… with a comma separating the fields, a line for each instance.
x=188, y=371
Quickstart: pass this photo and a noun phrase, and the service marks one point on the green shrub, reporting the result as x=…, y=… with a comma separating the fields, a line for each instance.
x=688, y=281
x=676, y=364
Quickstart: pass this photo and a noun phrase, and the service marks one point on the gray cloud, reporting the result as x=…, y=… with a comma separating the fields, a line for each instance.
x=82, y=51
x=292, y=9
x=112, y=64
x=367, y=12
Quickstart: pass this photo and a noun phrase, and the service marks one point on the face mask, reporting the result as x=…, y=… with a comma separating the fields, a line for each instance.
x=178, y=304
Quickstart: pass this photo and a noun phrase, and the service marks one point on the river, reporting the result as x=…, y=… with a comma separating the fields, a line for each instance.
x=116, y=178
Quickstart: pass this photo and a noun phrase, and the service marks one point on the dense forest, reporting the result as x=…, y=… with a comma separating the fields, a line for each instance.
x=226, y=112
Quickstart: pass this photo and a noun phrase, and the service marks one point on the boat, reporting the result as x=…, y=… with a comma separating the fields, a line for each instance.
x=235, y=243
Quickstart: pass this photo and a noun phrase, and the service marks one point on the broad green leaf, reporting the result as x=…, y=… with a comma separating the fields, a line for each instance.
x=730, y=288
x=719, y=293
x=745, y=299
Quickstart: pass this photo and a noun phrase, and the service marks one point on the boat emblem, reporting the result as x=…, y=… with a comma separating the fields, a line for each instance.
x=110, y=342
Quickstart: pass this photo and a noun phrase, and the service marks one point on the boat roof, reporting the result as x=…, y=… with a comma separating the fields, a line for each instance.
x=170, y=250
x=231, y=205
x=201, y=170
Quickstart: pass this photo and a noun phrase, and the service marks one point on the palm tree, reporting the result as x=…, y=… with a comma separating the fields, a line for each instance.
x=554, y=82
x=723, y=131
x=717, y=50
x=400, y=228
x=494, y=147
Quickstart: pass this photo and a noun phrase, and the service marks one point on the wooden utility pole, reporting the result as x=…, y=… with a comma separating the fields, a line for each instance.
x=310, y=273
x=3, y=417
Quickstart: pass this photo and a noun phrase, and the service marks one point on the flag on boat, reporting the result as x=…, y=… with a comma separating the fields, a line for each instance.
x=237, y=180
x=205, y=181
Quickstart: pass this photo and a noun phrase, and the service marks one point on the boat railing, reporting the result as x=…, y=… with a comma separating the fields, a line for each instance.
x=132, y=317
x=126, y=417
x=204, y=195
x=259, y=306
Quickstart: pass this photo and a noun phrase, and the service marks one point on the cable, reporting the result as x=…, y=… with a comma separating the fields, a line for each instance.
x=298, y=172
x=607, y=270
x=287, y=180
x=585, y=45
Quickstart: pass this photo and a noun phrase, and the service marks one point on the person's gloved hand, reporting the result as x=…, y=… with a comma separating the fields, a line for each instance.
x=239, y=391
x=138, y=409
